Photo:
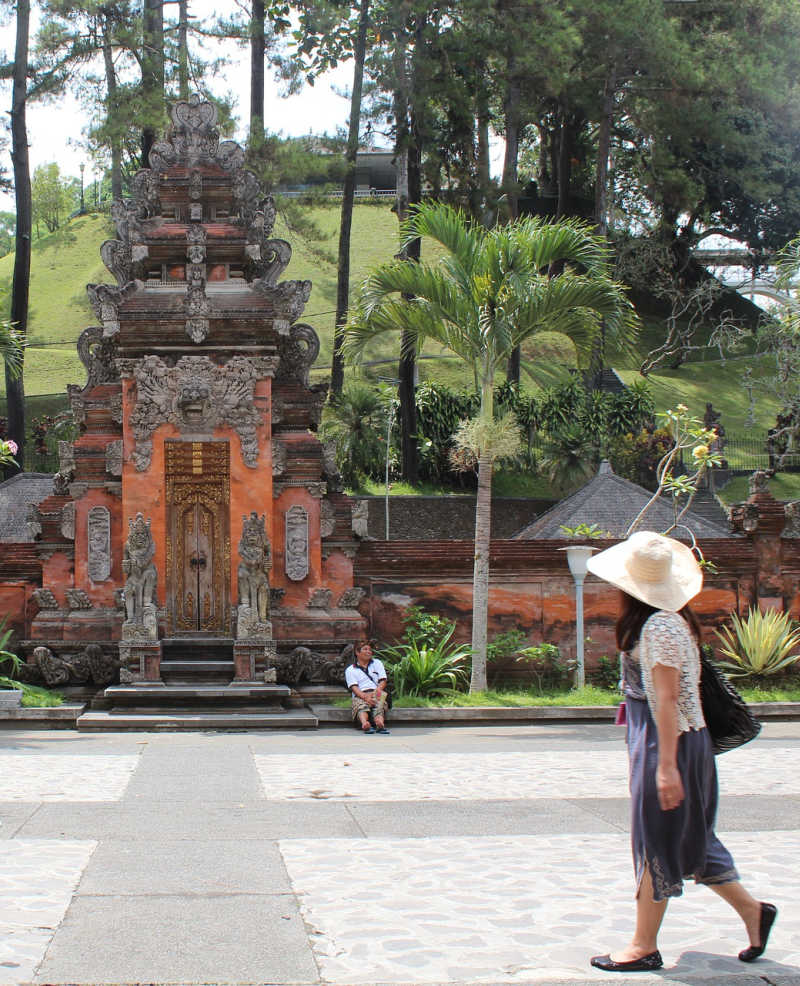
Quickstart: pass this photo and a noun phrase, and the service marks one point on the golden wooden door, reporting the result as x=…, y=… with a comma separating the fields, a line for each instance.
x=198, y=538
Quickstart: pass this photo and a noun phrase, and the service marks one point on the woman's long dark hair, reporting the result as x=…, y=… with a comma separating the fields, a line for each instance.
x=633, y=614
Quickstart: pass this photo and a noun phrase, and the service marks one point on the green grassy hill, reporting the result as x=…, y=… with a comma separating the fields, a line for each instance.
x=63, y=263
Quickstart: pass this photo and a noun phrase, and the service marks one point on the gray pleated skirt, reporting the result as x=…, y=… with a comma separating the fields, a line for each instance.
x=681, y=843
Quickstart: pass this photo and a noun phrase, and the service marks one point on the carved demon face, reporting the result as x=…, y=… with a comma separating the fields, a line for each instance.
x=194, y=401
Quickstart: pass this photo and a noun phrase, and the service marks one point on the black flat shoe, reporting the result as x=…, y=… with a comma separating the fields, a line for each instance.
x=647, y=963
x=768, y=914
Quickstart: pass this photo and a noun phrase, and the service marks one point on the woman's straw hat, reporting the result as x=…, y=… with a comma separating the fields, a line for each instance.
x=659, y=570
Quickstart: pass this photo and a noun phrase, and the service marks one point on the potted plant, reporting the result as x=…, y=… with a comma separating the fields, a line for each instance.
x=10, y=689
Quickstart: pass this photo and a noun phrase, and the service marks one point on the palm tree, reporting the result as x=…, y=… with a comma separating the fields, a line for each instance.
x=488, y=293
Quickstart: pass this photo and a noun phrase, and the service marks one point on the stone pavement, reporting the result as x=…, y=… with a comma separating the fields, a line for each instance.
x=486, y=855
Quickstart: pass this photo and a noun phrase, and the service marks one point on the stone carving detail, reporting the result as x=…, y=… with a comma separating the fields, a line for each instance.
x=327, y=519
x=99, y=540
x=196, y=396
x=117, y=257
x=97, y=353
x=296, y=543
x=66, y=457
x=140, y=587
x=758, y=482
x=350, y=598
x=105, y=300
x=275, y=597
x=304, y=665
x=320, y=598
x=288, y=297
x=792, y=511
x=71, y=669
x=195, y=185
x=255, y=562
x=360, y=519
x=270, y=258
x=78, y=599
x=102, y=667
x=278, y=458
x=68, y=521
x=33, y=521
x=298, y=350
x=53, y=669
x=194, y=138
x=330, y=469
x=197, y=310
x=145, y=197
x=115, y=407
x=45, y=599
x=114, y=458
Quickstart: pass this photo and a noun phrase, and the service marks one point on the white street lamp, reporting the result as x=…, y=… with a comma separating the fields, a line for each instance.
x=577, y=557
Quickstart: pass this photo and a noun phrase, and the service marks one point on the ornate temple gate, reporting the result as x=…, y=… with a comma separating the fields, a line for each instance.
x=198, y=551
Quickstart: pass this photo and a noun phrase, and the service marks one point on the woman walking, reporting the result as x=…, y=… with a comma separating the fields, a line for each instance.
x=673, y=777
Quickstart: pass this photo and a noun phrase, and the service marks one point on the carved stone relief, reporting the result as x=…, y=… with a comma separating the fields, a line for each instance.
x=140, y=587
x=33, y=520
x=105, y=300
x=304, y=665
x=320, y=598
x=327, y=519
x=97, y=353
x=78, y=599
x=66, y=457
x=99, y=540
x=298, y=350
x=45, y=599
x=196, y=396
x=350, y=598
x=114, y=458
x=296, y=543
x=255, y=562
x=278, y=458
x=360, y=518
x=68, y=521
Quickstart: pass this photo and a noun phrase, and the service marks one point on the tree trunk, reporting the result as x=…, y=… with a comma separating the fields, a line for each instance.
x=480, y=575
x=564, y=165
x=510, y=182
x=257, y=73
x=348, y=197
x=111, y=112
x=603, y=149
x=152, y=73
x=15, y=389
x=407, y=363
x=484, y=177
x=183, y=49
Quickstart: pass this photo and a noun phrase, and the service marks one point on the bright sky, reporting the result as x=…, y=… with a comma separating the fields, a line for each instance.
x=54, y=129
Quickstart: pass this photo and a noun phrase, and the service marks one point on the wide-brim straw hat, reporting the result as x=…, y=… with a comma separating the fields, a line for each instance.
x=659, y=570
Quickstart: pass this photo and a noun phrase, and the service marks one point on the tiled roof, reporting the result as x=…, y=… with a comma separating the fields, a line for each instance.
x=612, y=503
x=16, y=495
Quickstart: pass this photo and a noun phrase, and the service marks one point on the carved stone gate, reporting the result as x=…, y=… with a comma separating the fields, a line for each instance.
x=198, y=549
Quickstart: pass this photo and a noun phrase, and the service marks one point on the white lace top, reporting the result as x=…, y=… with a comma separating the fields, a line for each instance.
x=666, y=639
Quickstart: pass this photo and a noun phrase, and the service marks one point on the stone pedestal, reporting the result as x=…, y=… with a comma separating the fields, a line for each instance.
x=253, y=659
x=142, y=661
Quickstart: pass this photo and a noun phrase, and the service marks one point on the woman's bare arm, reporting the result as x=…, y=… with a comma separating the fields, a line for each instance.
x=666, y=684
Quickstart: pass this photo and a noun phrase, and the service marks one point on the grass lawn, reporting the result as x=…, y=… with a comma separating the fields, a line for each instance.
x=788, y=691
x=783, y=486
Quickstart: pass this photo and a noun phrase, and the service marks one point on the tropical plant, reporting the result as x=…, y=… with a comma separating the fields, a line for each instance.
x=420, y=669
x=425, y=628
x=760, y=645
x=6, y=657
x=570, y=457
x=356, y=423
x=547, y=665
x=486, y=295
x=589, y=531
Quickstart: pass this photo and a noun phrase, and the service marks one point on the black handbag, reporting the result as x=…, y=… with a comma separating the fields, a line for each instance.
x=730, y=722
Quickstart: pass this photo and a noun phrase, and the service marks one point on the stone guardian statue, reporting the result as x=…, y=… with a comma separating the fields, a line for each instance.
x=140, y=588
x=255, y=562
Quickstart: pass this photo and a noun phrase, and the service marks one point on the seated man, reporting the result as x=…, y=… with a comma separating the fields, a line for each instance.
x=366, y=679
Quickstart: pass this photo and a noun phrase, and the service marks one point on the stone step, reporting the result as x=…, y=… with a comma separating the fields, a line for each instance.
x=198, y=672
x=170, y=721
x=196, y=695
x=197, y=649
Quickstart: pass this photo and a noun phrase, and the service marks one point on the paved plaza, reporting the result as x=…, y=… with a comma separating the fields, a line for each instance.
x=484, y=855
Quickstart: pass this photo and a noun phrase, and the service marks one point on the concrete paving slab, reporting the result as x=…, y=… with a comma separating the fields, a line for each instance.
x=477, y=818
x=13, y=816
x=179, y=939
x=185, y=867
x=138, y=823
x=64, y=777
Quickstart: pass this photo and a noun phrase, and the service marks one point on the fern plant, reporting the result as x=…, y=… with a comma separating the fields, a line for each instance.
x=6, y=657
x=760, y=645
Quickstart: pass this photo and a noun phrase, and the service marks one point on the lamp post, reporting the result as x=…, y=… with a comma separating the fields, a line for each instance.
x=577, y=557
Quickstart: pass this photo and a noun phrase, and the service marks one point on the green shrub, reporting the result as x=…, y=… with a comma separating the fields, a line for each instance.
x=760, y=645
x=606, y=675
x=9, y=662
x=550, y=669
x=427, y=629
x=427, y=670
